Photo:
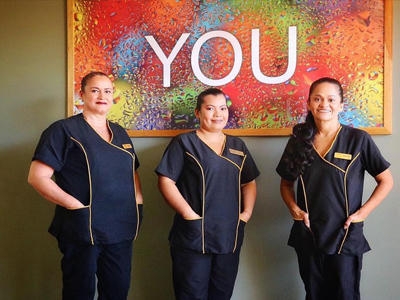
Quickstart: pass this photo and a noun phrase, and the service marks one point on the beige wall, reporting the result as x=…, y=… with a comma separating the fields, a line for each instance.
x=33, y=94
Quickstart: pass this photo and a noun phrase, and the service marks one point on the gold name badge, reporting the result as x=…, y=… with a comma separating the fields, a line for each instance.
x=237, y=152
x=127, y=146
x=343, y=156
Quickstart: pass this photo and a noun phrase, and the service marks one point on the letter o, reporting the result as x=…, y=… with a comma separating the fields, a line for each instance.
x=237, y=63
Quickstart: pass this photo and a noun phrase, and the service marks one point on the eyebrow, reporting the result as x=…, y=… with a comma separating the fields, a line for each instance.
x=328, y=95
x=95, y=87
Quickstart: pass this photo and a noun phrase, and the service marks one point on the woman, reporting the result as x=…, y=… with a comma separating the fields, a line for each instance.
x=329, y=159
x=208, y=178
x=97, y=192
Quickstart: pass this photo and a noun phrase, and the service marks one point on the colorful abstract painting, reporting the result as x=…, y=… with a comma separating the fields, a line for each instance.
x=263, y=54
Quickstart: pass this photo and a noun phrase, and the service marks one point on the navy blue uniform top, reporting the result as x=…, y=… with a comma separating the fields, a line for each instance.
x=99, y=174
x=210, y=183
x=331, y=189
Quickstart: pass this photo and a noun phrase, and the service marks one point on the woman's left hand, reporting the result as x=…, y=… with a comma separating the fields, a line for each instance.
x=354, y=218
x=245, y=216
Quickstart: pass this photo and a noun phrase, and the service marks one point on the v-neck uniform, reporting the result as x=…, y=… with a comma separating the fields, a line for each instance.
x=331, y=189
x=211, y=184
x=99, y=174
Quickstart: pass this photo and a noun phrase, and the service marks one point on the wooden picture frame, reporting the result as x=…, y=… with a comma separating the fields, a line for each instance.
x=98, y=29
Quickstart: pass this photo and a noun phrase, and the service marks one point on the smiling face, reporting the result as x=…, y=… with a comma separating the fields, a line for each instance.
x=213, y=113
x=97, y=95
x=325, y=102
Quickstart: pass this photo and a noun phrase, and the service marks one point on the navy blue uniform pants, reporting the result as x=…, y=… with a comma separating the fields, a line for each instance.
x=200, y=276
x=82, y=263
x=330, y=277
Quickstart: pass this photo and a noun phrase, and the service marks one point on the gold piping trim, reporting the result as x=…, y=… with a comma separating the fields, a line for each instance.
x=90, y=181
x=222, y=151
x=223, y=145
x=240, y=204
x=133, y=168
x=90, y=189
x=347, y=201
x=136, y=203
x=330, y=148
x=328, y=162
x=83, y=207
x=304, y=193
x=359, y=221
x=112, y=133
x=334, y=140
x=232, y=162
x=306, y=203
x=204, y=202
x=134, y=183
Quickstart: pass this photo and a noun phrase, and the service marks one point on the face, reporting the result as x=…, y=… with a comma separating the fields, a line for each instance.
x=325, y=102
x=98, y=95
x=213, y=113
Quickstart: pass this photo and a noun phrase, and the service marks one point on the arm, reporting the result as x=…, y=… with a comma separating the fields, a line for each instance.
x=40, y=178
x=174, y=198
x=288, y=196
x=249, y=193
x=139, y=195
x=384, y=184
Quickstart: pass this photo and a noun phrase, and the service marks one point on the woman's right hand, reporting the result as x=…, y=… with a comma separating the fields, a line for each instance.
x=301, y=215
x=190, y=215
x=75, y=205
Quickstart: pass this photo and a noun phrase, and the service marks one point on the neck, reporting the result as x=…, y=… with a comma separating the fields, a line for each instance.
x=327, y=128
x=95, y=120
x=210, y=135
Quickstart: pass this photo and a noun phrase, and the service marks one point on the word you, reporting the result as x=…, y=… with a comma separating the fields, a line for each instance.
x=255, y=57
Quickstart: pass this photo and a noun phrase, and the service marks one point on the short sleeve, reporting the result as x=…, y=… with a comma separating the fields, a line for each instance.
x=283, y=166
x=173, y=159
x=250, y=170
x=137, y=163
x=53, y=145
x=372, y=159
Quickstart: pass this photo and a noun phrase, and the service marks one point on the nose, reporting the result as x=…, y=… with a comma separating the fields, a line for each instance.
x=324, y=102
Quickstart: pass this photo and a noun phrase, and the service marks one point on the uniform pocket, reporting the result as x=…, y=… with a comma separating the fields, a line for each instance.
x=75, y=225
x=187, y=234
x=240, y=237
x=355, y=242
x=301, y=236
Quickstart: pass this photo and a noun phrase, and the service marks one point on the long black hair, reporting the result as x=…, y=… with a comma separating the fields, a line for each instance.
x=298, y=154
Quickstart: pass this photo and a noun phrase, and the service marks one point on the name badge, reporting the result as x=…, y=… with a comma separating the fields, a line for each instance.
x=127, y=146
x=343, y=156
x=236, y=152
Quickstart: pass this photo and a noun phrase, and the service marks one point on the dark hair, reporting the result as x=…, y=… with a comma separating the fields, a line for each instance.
x=298, y=154
x=203, y=94
x=89, y=76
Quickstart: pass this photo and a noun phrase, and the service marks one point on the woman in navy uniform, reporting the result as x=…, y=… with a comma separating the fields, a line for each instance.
x=328, y=160
x=208, y=178
x=97, y=192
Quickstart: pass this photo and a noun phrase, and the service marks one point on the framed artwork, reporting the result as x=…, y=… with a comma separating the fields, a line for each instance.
x=262, y=54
